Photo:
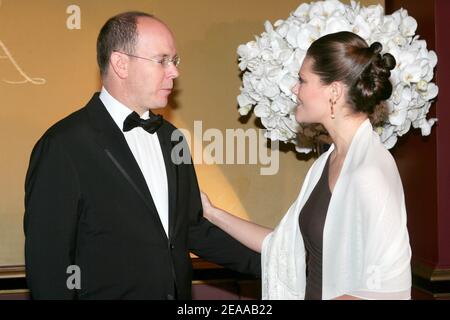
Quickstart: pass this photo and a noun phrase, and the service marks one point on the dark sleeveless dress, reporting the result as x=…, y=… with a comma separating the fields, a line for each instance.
x=312, y=222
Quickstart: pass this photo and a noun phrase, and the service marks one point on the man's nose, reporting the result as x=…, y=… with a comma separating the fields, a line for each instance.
x=172, y=71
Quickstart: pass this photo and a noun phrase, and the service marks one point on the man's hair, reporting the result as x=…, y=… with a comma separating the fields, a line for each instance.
x=118, y=34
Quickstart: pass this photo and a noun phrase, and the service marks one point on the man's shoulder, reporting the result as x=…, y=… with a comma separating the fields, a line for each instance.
x=74, y=123
x=63, y=135
x=70, y=125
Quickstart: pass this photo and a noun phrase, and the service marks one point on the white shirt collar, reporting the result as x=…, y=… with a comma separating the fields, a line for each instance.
x=116, y=109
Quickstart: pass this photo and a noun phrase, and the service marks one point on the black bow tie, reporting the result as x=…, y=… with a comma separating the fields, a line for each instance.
x=150, y=125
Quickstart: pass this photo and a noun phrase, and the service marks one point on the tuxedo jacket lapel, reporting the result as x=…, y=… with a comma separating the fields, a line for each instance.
x=112, y=141
x=164, y=136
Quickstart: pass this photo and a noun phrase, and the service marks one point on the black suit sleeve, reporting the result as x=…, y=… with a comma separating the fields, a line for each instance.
x=50, y=222
x=211, y=243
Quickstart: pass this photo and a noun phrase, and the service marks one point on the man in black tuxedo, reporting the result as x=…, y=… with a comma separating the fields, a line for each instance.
x=103, y=192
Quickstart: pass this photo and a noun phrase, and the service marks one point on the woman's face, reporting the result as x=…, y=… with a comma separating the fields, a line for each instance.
x=312, y=96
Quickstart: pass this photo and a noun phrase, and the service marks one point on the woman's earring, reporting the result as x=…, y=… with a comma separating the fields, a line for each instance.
x=332, y=109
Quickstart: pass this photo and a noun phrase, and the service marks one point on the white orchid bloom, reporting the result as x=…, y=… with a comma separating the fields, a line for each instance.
x=372, y=14
x=318, y=23
x=306, y=36
x=294, y=65
x=247, y=52
x=282, y=29
x=422, y=85
x=268, y=27
x=316, y=9
x=404, y=59
x=408, y=26
x=275, y=135
x=336, y=24
x=411, y=74
x=267, y=88
x=432, y=57
x=431, y=92
x=245, y=100
x=287, y=83
x=291, y=35
x=274, y=73
x=272, y=61
x=426, y=126
x=404, y=127
x=243, y=111
x=283, y=105
x=398, y=116
x=361, y=27
x=270, y=121
x=389, y=25
x=262, y=109
x=302, y=11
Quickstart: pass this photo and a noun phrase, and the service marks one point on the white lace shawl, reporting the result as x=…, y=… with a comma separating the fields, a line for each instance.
x=366, y=251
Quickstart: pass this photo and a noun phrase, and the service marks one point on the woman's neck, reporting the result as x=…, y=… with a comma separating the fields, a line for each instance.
x=342, y=130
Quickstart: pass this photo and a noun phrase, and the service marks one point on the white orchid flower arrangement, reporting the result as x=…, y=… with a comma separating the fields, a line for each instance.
x=271, y=63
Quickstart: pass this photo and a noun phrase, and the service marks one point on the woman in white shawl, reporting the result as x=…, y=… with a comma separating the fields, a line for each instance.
x=362, y=243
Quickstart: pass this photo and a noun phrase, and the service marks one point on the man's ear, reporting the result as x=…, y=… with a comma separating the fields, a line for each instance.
x=119, y=64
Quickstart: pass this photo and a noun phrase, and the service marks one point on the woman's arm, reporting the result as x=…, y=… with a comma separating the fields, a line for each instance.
x=248, y=233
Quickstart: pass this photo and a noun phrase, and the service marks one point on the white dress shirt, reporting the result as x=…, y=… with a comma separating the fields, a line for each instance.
x=147, y=152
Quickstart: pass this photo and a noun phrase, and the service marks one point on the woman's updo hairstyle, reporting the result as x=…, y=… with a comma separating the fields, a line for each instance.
x=346, y=57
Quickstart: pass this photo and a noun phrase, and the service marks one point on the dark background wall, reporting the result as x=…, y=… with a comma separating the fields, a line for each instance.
x=424, y=161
